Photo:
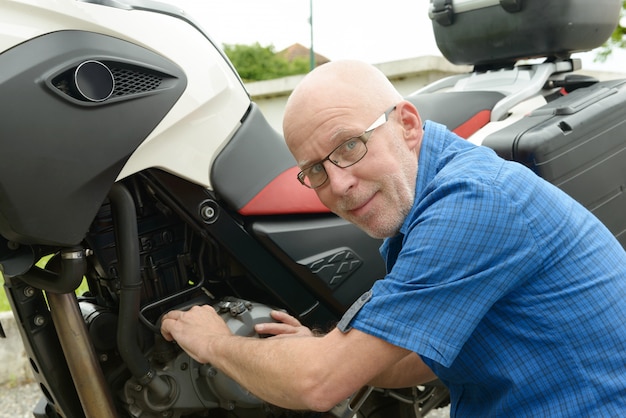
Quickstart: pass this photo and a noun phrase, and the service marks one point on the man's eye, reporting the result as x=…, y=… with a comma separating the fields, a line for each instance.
x=350, y=145
x=316, y=169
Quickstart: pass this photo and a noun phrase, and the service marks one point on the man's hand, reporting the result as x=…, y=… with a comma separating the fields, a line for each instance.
x=194, y=329
x=287, y=326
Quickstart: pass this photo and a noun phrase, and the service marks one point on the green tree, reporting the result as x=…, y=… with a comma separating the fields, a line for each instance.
x=256, y=62
x=617, y=39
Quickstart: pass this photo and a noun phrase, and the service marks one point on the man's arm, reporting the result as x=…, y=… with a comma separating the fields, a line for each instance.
x=409, y=371
x=307, y=372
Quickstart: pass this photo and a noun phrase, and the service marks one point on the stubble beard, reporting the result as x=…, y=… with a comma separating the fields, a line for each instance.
x=387, y=223
x=397, y=194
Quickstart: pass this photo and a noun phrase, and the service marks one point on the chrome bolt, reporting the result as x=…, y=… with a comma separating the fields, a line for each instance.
x=207, y=212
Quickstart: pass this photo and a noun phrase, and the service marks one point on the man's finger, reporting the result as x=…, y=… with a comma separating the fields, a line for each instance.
x=284, y=317
x=165, y=328
x=274, y=328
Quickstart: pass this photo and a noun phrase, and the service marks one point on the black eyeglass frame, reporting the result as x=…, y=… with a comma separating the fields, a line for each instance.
x=364, y=137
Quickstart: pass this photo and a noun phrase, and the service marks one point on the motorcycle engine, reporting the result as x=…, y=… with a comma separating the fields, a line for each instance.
x=179, y=269
x=194, y=387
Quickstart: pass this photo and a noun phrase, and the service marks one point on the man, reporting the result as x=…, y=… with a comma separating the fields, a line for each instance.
x=498, y=283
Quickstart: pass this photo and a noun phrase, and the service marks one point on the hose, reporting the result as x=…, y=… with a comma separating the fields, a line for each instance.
x=127, y=238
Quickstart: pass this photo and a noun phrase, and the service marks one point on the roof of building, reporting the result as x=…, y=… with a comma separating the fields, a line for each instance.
x=300, y=51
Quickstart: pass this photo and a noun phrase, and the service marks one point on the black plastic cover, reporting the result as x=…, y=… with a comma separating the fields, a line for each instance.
x=345, y=260
x=60, y=152
x=255, y=155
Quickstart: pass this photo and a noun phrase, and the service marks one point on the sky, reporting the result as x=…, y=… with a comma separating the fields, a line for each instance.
x=374, y=31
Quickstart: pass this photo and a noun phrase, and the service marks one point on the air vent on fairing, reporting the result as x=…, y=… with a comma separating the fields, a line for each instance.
x=107, y=81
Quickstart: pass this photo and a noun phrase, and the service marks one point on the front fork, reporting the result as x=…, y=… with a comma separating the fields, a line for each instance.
x=57, y=343
x=81, y=356
x=42, y=346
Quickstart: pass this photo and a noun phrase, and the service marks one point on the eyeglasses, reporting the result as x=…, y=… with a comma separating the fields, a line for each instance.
x=347, y=154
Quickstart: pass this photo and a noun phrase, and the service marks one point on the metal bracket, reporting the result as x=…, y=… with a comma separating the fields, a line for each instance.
x=349, y=407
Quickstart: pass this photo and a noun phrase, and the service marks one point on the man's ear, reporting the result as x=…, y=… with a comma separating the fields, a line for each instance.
x=411, y=123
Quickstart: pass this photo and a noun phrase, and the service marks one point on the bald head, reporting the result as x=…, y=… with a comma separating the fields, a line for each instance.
x=353, y=87
x=333, y=106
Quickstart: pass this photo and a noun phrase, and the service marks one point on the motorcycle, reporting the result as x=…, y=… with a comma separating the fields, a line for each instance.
x=143, y=169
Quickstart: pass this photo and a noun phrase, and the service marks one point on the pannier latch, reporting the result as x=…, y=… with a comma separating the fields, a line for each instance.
x=511, y=6
x=442, y=12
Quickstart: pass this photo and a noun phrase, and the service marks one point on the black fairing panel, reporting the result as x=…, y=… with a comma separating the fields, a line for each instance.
x=252, y=158
x=345, y=260
x=60, y=152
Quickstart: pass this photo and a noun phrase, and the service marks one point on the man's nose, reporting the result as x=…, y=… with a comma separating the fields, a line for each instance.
x=340, y=179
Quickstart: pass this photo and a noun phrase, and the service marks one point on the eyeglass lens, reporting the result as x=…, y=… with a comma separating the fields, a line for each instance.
x=345, y=155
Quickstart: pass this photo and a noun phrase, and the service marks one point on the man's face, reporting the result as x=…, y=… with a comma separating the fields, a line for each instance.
x=376, y=193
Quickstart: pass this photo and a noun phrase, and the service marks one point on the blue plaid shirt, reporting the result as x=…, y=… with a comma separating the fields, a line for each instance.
x=513, y=293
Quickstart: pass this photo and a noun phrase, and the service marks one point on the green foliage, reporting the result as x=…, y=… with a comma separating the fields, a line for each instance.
x=256, y=62
x=617, y=39
x=4, y=302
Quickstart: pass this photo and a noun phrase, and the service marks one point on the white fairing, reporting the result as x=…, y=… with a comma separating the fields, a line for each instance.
x=205, y=116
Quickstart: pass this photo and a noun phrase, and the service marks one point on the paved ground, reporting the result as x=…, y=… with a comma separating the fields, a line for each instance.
x=440, y=413
x=18, y=401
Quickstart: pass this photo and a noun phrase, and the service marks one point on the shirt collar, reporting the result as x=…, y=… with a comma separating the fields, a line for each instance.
x=434, y=141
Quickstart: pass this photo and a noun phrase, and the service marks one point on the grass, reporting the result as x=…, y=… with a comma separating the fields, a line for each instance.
x=4, y=303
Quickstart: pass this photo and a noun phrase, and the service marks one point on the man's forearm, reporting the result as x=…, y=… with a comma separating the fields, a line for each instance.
x=289, y=373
